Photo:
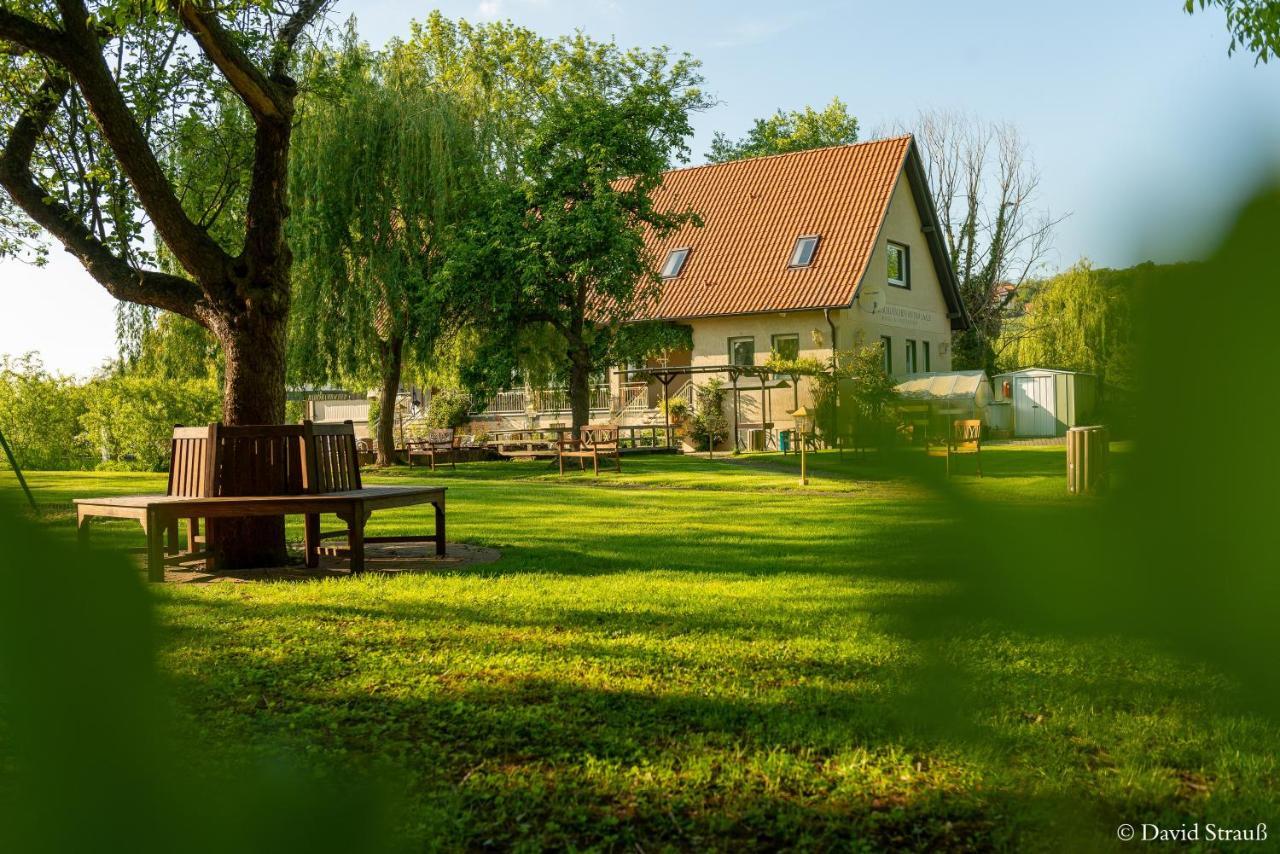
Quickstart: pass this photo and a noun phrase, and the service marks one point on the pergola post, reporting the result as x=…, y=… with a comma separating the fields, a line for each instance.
x=764, y=410
x=733, y=375
x=666, y=379
x=835, y=415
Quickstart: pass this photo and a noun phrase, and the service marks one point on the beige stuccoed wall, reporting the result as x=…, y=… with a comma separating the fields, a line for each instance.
x=919, y=312
x=711, y=334
x=711, y=347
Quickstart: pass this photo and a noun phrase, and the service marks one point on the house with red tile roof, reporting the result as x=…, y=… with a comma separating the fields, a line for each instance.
x=802, y=254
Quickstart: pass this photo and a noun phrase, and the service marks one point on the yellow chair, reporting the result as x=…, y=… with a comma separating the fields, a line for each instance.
x=965, y=437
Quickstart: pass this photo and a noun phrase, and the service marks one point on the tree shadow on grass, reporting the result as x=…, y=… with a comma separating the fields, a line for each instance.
x=736, y=751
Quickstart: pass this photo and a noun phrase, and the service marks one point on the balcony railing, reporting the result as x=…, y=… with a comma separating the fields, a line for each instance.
x=546, y=401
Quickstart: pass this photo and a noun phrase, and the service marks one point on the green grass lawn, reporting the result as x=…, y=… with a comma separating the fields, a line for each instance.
x=701, y=654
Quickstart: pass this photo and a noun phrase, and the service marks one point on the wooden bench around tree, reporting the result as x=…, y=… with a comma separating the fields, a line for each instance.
x=593, y=444
x=440, y=441
x=243, y=471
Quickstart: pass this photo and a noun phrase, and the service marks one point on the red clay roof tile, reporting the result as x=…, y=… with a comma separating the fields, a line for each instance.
x=752, y=213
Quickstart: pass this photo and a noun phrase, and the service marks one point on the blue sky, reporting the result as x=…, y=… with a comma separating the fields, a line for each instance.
x=1142, y=127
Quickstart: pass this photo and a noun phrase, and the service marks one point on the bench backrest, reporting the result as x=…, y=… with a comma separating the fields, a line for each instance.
x=276, y=459
x=332, y=457
x=440, y=438
x=191, y=462
x=600, y=438
x=259, y=459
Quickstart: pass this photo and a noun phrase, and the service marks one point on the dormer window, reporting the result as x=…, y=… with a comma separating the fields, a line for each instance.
x=675, y=263
x=806, y=247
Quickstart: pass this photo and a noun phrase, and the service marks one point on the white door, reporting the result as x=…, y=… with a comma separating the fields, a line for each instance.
x=1033, y=406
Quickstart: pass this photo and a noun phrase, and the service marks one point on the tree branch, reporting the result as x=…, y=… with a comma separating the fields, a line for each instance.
x=192, y=246
x=121, y=280
x=270, y=101
x=291, y=32
x=32, y=36
x=260, y=94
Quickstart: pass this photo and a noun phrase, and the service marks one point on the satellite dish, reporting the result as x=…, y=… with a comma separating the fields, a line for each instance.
x=874, y=299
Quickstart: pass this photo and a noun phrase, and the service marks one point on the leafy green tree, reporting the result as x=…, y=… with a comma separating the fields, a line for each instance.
x=797, y=130
x=382, y=168
x=40, y=415
x=559, y=240
x=1253, y=24
x=852, y=385
x=709, y=427
x=166, y=346
x=1083, y=319
x=128, y=420
x=505, y=72
x=95, y=98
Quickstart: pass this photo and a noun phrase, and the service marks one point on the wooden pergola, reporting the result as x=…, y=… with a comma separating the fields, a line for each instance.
x=669, y=374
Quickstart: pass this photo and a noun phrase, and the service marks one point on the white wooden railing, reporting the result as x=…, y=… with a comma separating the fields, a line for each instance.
x=550, y=400
x=634, y=397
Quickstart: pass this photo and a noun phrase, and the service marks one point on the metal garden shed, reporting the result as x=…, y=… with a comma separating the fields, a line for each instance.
x=1045, y=401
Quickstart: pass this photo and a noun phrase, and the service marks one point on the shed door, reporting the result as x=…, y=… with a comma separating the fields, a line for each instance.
x=1033, y=406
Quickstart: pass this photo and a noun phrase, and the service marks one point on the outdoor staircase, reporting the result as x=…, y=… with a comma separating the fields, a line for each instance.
x=631, y=404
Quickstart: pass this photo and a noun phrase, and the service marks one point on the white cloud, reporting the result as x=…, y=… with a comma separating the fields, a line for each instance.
x=489, y=9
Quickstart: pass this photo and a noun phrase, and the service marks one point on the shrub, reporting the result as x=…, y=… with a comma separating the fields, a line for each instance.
x=130, y=419
x=449, y=408
x=709, y=427
x=865, y=391
x=40, y=415
x=677, y=410
x=375, y=414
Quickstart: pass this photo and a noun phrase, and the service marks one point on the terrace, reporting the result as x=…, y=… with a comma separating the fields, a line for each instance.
x=760, y=401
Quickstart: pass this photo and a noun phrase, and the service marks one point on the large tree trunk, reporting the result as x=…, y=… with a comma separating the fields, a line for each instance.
x=253, y=342
x=242, y=299
x=580, y=387
x=391, y=353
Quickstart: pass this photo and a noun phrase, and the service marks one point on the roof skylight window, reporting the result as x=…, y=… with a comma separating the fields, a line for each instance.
x=675, y=263
x=806, y=247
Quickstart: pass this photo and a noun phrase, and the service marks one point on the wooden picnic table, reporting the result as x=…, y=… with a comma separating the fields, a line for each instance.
x=519, y=443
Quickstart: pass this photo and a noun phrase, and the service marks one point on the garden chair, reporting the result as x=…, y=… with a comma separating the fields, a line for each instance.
x=964, y=437
x=439, y=441
x=593, y=444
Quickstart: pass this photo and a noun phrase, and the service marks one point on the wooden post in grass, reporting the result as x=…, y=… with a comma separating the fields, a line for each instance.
x=22, y=481
x=804, y=425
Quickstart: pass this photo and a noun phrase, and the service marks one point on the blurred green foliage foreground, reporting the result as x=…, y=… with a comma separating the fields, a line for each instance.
x=700, y=654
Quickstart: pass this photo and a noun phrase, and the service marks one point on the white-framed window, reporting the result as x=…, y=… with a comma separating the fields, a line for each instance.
x=742, y=351
x=899, y=265
x=911, y=356
x=886, y=344
x=786, y=346
x=674, y=263
x=927, y=366
x=806, y=247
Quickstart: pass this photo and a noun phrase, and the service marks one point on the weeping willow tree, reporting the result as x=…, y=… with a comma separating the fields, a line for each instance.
x=382, y=167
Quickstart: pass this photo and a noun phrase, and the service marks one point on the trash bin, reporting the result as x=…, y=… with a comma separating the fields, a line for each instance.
x=1087, y=452
x=784, y=440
